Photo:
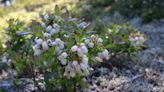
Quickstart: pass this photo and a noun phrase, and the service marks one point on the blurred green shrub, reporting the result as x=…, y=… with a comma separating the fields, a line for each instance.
x=90, y=9
x=147, y=9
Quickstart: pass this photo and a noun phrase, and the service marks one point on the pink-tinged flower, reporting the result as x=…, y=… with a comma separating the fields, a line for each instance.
x=84, y=49
x=74, y=48
x=64, y=55
x=38, y=41
x=53, y=43
x=69, y=72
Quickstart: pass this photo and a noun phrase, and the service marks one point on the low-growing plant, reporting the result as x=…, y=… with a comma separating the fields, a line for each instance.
x=124, y=39
x=63, y=49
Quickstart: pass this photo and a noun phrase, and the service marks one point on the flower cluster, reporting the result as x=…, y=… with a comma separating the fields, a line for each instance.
x=63, y=59
x=104, y=55
x=96, y=40
x=39, y=46
x=43, y=45
x=75, y=58
x=137, y=39
x=59, y=45
x=80, y=63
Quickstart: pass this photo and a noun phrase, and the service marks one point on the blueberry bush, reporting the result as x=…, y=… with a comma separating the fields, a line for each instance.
x=63, y=49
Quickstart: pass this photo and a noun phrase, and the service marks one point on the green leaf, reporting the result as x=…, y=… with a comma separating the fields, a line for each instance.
x=57, y=10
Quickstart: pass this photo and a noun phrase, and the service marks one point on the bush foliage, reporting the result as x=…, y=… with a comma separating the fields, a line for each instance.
x=64, y=49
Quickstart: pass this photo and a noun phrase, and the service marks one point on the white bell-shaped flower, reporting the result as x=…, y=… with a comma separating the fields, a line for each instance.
x=39, y=41
x=80, y=52
x=49, y=28
x=98, y=59
x=78, y=69
x=4, y=59
x=99, y=40
x=55, y=25
x=86, y=72
x=36, y=46
x=74, y=48
x=58, y=50
x=37, y=52
x=45, y=45
x=83, y=66
x=91, y=45
x=85, y=59
x=54, y=31
x=84, y=49
x=49, y=41
x=66, y=36
x=87, y=41
x=69, y=72
x=58, y=40
x=74, y=63
x=82, y=44
x=105, y=53
x=64, y=55
x=46, y=17
x=47, y=35
x=43, y=24
x=53, y=43
x=63, y=61
x=61, y=46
